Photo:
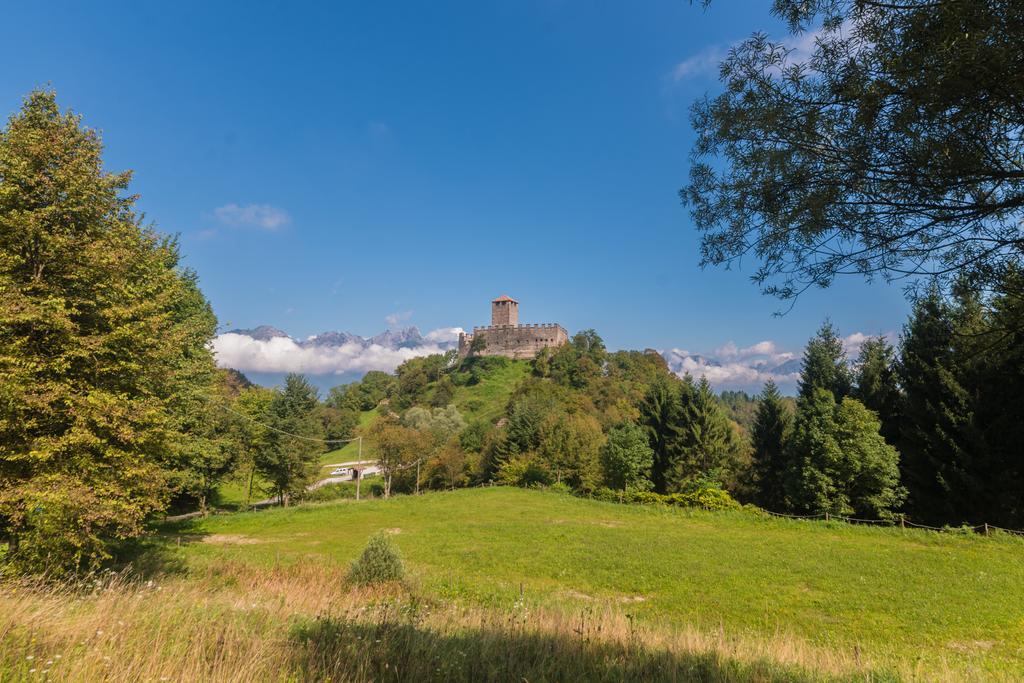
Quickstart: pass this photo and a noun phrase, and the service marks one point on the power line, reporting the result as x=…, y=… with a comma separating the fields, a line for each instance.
x=275, y=429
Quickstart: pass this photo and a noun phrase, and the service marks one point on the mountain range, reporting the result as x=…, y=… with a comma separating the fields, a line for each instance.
x=403, y=338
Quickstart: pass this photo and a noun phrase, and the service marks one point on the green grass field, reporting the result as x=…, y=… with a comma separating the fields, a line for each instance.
x=906, y=600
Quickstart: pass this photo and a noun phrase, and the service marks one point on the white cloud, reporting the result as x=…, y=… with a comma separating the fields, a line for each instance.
x=748, y=368
x=729, y=367
x=703, y=64
x=444, y=334
x=397, y=317
x=283, y=354
x=257, y=216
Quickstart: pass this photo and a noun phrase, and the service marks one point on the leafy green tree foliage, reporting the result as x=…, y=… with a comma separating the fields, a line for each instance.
x=291, y=456
x=627, y=458
x=338, y=424
x=661, y=413
x=771, y=429
x=877, y=385
x=444, y=392
x=442, y=423
x=249, y=435
x=872, y=487
x=528, y=408
x=398, y=448
x=570, y=443
x=892, y=150
x=579, y=362
x=440, y=428
x=366, y=394
x=838, y=462
x=478, y=345
x=710, y=446
x=204, y=460
x=998, y=380
x=449, y=467
x=416, y=374
x=824, y=365
x=103, y=350
x=549, y=429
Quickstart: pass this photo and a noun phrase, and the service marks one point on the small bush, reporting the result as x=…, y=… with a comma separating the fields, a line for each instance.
x=380, y=563
x=560, y=487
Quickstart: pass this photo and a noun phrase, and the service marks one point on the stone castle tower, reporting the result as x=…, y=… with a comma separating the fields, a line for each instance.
x=506, y=337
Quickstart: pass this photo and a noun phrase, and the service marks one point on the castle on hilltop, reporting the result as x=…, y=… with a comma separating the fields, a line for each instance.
x=506, y=337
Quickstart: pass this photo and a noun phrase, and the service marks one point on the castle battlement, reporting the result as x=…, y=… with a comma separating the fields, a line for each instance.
x=505, y=336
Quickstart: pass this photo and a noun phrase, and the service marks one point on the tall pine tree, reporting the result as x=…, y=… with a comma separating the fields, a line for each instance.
x=771, y=429
x=825, y=365
x=877, y=385
x=937, y=412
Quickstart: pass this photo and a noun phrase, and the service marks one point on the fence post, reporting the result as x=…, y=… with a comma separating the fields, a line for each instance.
x=826, y=516
x=986, y=528
x=902, y=525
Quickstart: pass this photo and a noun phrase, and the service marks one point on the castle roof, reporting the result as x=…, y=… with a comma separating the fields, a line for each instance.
x=504, y=297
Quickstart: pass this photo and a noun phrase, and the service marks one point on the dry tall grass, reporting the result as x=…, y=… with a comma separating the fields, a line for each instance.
x=304, y=623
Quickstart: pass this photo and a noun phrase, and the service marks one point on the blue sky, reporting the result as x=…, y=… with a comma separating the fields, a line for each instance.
x=333, y=167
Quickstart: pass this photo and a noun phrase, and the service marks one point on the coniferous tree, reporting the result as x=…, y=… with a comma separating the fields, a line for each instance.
x=660, y=414
x=877, y=386
x=709, y=445
x=824, y=365
x=937, y=413
x=813, y=456
x=771, y=429
x=292, y=454
x=999, y=387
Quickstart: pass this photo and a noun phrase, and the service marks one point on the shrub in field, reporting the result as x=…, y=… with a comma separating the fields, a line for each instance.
x=523, y=470
x=708, y=498
x=647, y=497
x=380, y=563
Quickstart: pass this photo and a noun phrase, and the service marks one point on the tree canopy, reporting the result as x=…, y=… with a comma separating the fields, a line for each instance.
x=894, y=149
x=105, y=372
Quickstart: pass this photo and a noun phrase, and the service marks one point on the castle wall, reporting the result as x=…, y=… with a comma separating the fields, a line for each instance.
x=514, y=341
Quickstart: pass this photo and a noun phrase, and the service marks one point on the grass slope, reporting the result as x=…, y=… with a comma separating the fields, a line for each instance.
x=486, y=400
x=918, y=602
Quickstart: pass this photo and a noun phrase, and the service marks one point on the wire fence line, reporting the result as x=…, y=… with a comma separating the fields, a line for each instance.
x=901, y=522
x=275, y=429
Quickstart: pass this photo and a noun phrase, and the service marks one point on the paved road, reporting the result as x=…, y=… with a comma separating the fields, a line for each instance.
x=366, y=471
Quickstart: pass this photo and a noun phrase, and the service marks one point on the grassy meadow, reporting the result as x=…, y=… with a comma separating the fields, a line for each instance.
x=531, y=585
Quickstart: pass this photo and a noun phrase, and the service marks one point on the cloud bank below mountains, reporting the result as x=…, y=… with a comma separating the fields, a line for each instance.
x=346, y=354
x=267, y=350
